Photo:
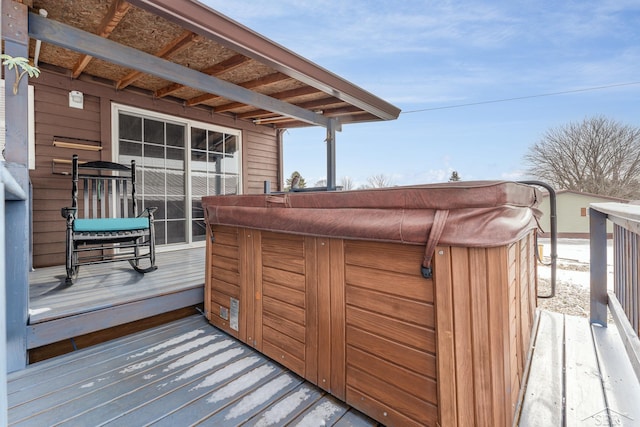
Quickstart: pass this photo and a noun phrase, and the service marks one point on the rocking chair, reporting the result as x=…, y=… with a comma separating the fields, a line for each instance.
x=111, y=229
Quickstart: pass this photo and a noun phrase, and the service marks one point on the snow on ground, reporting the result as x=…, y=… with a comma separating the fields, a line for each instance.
x=572, y=276
x=573, y=261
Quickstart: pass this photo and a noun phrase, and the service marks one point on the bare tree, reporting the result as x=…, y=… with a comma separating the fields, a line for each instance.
x=597, y=155
x=321, y=183
x=347, y=183
x=378, y=181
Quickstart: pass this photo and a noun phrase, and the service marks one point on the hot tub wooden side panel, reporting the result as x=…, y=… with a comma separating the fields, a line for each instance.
x=485, y=300
x=222, y=283
x=358, y=319
x=390, y=334
x=286, y=295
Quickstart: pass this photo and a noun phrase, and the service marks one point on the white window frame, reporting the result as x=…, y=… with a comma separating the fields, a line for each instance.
x=116, y=109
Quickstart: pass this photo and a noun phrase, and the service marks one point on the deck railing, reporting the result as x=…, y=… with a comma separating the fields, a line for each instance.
x=10, y=191
x=624, y=300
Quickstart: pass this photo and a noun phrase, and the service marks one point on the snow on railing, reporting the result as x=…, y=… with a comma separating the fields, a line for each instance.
x=624, y=300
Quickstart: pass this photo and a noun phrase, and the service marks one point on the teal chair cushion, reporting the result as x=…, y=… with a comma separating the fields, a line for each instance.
x=110, y=224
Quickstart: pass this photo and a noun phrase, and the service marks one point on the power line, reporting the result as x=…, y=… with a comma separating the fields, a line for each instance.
x=521, y=97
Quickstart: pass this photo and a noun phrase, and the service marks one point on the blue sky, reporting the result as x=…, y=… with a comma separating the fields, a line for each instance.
x=436, y=56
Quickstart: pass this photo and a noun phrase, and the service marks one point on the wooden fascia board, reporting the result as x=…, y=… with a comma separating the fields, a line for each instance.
x=77, y=40
x=215, y=26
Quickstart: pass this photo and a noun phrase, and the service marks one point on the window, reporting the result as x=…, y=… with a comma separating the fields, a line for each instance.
x=178, y=161
x=215, y=170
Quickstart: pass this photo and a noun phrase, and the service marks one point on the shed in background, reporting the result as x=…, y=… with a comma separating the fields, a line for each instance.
x=573, y=213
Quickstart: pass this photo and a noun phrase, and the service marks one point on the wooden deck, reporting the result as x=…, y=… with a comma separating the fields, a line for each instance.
x=106, y=295
x=183, y=373
x=579, y=376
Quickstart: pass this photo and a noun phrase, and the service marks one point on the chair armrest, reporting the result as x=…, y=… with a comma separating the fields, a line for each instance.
x=69, y=213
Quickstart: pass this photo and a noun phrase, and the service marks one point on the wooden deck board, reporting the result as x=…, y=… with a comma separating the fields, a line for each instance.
x=544, y=393
x=59, y=372
x=583, y=382
x=177, y=374
x=106, y=285
x=112, y=294
x=579, y=375
x=620, y=384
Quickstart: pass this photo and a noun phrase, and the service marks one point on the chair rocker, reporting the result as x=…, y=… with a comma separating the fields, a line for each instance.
x=110, y=229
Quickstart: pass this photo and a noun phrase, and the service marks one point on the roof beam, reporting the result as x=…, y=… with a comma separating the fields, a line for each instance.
x=251, y=84
x=186, y=39
x=116, y=12
x=217, y=27
x=222, y=67
x=74, y=39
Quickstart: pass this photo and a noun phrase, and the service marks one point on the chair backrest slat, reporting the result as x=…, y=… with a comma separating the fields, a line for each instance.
x=85, y=190
x=106, y=195
x=119, y=196
x=94, y=198
x=125, y=201
x=102, y=196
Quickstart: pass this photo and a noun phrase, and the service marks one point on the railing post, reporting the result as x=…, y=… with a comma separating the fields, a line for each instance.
x=3, y=305
x=15, y=35
x=598, y=263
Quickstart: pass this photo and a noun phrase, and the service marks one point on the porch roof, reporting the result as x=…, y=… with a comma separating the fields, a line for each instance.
x=184, y=50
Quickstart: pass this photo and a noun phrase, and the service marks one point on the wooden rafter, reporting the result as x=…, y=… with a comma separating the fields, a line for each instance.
x=273, y=120
x=285, y=95
x=186, y=39
x=251, y=84
x=68, y=37
x=228, y=64
x=334, y=112
x=117, y=11
x=340, y=111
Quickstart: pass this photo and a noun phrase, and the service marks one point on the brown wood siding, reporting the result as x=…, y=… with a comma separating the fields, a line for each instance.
x=262, y=154
x=53, y=117
x=51, y=192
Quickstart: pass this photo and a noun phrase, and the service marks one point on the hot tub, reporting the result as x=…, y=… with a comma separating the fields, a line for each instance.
x=412, y=304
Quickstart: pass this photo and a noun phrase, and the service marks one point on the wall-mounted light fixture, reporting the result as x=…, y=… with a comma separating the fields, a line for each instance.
x=76, y=99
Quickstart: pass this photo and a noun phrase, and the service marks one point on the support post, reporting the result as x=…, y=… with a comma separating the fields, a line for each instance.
x=331, y=154
x=16, y=244
x=598, y=262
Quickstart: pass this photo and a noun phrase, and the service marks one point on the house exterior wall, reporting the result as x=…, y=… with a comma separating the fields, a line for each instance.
x=572, y=213
x=54, y=118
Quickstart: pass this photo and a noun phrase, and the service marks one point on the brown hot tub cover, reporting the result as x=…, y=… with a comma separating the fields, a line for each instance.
x=469, y=214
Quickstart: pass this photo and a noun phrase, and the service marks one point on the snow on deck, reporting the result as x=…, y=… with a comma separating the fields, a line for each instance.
x=183, y=373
